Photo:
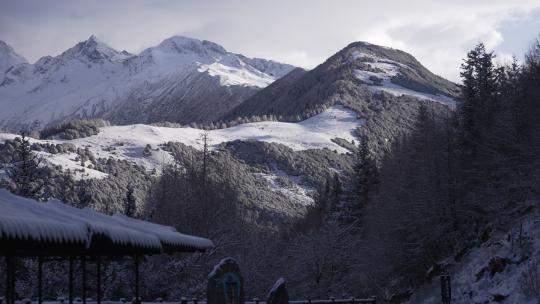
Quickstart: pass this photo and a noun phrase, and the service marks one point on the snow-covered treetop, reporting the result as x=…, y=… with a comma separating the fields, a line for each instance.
x=53, y=222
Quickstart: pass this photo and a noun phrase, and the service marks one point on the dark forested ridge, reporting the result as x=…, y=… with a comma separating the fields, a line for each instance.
x=424, y=188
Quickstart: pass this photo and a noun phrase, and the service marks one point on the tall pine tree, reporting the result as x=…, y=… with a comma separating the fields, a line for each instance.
x=25, y=172
x=366, y=173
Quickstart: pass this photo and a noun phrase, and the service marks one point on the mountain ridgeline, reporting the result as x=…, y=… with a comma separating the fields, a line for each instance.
x=181, y=80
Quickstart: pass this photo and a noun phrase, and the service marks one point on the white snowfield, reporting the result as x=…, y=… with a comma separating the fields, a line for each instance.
x=128, y=142
x=56, y=222
x=388, y=69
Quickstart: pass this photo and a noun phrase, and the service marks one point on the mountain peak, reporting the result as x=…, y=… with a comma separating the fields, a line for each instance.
x=94, y=50
x=92, y=38
x=8, y=58
x=182, y=44
x=6, y=50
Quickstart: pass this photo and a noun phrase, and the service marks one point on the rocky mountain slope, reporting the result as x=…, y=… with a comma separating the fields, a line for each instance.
x=180, y=80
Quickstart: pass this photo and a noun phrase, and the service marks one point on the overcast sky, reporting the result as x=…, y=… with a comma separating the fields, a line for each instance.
x=300, y=32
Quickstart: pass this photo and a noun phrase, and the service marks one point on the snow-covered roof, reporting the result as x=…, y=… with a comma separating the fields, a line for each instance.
x=24, y=221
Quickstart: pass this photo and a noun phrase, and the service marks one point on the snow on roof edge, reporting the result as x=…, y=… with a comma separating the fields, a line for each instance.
x=55, y=222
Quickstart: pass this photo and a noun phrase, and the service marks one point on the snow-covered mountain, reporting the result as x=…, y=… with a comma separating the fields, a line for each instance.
x=348, y=74
x=383, y=85
x=180, y=80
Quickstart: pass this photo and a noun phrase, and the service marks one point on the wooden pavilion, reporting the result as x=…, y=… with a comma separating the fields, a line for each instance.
x=54, y=230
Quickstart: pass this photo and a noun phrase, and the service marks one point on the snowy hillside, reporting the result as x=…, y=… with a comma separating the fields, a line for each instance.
x=501, y=270
x=129, y=142
x=378, y=76
x=92, y=79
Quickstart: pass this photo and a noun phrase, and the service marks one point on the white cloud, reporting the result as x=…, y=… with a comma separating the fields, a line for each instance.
x=302, y=32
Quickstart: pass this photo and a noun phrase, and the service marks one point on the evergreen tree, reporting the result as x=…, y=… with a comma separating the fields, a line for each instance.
x=25, y=171
x=366, y=173
x=480, y=79
x=130, y=202
x=84, y=194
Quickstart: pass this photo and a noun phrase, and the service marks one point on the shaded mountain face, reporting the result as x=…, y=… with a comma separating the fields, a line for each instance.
x=384, y=85
x=181, y=80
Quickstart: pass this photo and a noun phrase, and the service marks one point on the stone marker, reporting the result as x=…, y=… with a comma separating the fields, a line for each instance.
x=278, y=294
x=225, y=283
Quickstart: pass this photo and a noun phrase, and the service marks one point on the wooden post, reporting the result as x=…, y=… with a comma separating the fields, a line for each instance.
x=8, y=279
x=70, y=280
x=446, y=289
x=98, y=281
x=137, y=282
x=40, y=280
x=83, y=265
x=12, y=279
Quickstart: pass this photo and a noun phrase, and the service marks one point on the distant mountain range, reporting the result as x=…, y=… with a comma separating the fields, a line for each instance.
x=186, y=80
x=180, y=80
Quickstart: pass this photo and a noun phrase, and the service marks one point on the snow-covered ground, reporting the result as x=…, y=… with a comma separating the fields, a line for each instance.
x=290, y=186
x=386, y=69
x=129, y=142
x=493, y=272
x=69, y=161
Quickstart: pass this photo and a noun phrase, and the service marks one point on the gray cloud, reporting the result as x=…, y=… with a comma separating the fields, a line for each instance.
x=300, y=32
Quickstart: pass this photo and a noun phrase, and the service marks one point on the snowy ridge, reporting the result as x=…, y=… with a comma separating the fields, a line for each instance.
x=129, y=142
x=56, y=222
x=379, y=78
x=91, y=79
x=8, y=59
